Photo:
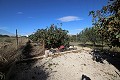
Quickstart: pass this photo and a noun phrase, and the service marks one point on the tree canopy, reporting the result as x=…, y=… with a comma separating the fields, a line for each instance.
x=108, y=21
x=89, y=35
x=54, y=37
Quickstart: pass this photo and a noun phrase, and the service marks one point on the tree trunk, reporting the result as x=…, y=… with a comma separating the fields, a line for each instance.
x=94, y=45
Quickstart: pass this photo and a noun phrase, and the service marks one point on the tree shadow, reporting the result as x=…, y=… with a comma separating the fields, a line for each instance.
x=27, y=69
x=90, y=45
x=32, y=50
x=97, y=56
x=84, y=77
x=27, y=50
x=111, y=57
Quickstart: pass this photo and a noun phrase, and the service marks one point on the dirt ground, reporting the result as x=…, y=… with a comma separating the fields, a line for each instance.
x=70, y=66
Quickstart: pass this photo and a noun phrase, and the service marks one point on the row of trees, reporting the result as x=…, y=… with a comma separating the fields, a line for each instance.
x=89, y=35
x=106, y=25
x=53, y=37
x=107, y=20
x=73, y=38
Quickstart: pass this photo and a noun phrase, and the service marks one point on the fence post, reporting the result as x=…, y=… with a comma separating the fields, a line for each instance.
x=16, y=39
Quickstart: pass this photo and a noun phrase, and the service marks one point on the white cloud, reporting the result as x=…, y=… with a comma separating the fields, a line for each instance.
x=69, y=18
x=19, y=12
x=80, y=29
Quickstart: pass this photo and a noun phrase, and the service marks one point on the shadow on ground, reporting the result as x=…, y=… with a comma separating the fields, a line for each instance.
x=111, y=57
x=101, y=55
x=84, y=77
x=27, y=70
x=89, y=45
x=27, y=50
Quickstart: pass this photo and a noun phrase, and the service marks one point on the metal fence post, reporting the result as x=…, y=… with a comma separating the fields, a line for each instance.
x=16, y=39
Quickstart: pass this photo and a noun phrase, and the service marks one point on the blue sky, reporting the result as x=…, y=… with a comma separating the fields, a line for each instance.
x=29, y=15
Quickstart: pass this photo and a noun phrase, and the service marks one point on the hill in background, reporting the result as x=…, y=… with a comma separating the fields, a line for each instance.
x=4, y=32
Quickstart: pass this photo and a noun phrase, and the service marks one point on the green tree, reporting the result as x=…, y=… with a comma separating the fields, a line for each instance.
x=82, y=37
x=89, y=35
x=72, y=38
x=108, y=21
x=54, y=37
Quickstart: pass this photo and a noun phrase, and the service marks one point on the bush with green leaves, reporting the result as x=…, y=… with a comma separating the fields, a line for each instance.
x=89, y=35
x=53, y=37
x=108, y=21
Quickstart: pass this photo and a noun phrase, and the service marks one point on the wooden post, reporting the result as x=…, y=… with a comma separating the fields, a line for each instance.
x=16, y=39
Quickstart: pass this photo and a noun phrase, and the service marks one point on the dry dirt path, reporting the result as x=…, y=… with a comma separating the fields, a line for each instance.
x=70, y=66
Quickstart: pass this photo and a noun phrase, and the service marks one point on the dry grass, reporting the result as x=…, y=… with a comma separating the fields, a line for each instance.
x=9, y=50
x=115, y=49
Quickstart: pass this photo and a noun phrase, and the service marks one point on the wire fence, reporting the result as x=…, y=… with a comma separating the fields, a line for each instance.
x=10, y=46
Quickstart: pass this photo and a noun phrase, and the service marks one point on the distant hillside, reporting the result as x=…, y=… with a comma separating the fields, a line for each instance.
x=4, y=35
x=3, y=32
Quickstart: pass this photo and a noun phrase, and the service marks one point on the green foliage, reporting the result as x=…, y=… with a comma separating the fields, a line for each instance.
x=82, y=36
x=73, y=38
x=53, y=36
x=108, y=21
x=89, y=35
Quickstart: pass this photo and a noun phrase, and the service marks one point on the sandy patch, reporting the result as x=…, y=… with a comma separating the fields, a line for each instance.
x=65, y=66
x=72, y=66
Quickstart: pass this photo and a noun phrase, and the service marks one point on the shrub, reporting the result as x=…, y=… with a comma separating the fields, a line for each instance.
x=54, y=37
